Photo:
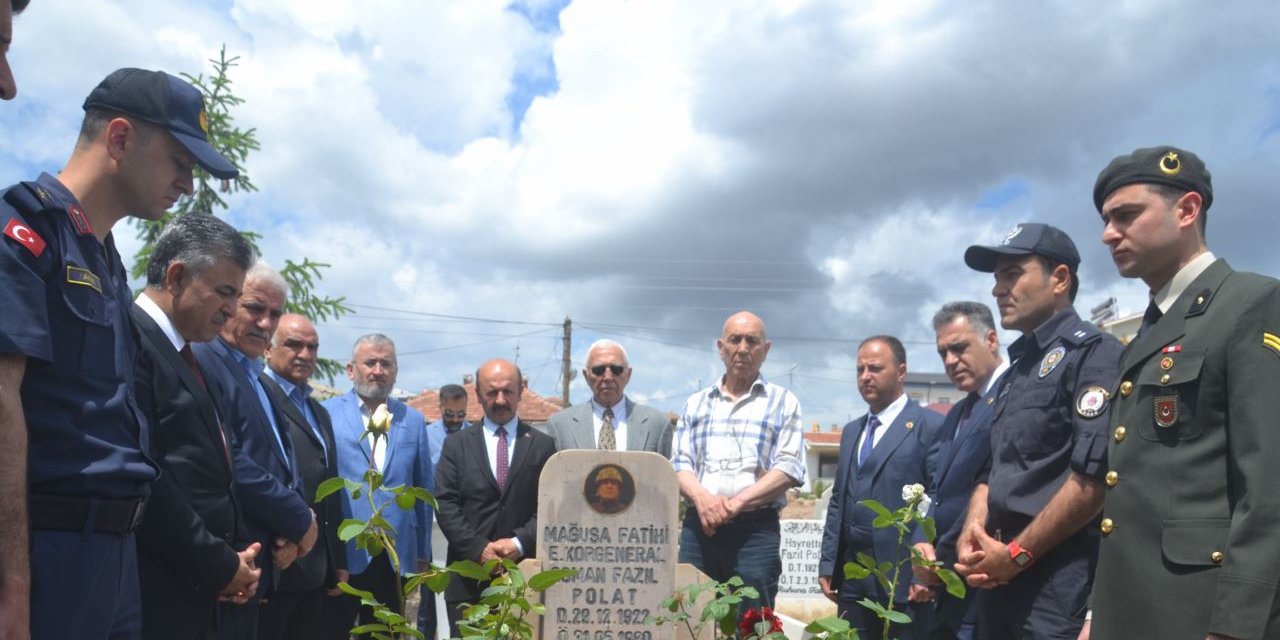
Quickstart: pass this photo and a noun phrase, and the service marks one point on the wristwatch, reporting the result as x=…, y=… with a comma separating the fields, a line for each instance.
x=1021, y=557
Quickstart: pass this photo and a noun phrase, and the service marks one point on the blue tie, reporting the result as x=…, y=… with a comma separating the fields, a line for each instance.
x=869, y=442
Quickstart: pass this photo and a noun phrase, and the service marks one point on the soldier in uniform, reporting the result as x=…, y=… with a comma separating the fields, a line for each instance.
x=67, y=353
x=1027, y=535
x=1189, y=547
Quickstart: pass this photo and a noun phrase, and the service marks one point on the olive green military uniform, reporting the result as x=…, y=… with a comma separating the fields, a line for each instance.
x=1191, y=527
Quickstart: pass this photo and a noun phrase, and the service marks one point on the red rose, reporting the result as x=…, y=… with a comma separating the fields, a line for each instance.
x=751, y=625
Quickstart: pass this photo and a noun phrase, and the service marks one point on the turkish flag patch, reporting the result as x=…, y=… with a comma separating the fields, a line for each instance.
x=25, y=236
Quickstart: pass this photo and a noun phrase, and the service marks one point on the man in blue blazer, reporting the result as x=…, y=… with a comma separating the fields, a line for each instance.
x=404, y=458
x=881, y=452
x=276, y=514
x=970, y=351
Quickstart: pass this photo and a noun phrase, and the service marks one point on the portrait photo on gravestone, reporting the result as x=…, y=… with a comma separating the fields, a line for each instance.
x=609, y=489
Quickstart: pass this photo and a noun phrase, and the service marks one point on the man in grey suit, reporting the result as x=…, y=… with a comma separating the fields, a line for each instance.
x=611, y=420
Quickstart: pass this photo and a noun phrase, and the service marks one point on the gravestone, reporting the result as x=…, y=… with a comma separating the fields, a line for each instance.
x=801, y=551
x=613, y=517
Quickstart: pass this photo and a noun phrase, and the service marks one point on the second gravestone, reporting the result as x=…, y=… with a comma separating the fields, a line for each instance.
x=612, y=516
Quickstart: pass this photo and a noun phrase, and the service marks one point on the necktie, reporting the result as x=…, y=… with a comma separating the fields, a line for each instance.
x=972, y=399
x=190, y=359
x=607, y=441
x=1149, y=318
x=501, y=474
x=869, y=442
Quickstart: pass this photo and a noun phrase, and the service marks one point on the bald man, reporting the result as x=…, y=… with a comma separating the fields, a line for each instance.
x=487, y=483
x=295, y=609
x=738, y=448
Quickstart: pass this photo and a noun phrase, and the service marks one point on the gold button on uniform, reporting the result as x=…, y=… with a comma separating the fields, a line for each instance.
x=1126, y=388
x=1164, y=379
x=1112, y=478
x=1120, y=433
x=1216, y=557
x=1107, y=525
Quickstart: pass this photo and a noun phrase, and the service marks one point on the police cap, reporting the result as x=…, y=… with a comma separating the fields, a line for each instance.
x=1023, y=240
x=166, y=101
x=1165, y=165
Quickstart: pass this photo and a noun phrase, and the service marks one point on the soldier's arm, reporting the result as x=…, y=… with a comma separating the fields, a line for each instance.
x=15, y=572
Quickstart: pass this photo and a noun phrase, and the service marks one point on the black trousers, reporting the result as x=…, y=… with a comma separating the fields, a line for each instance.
x=379, y=579
x=294, y=615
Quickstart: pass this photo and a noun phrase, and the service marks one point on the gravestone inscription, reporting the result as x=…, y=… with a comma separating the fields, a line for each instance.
x=611, y=516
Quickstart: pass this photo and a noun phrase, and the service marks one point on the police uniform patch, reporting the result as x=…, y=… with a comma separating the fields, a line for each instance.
x=1051, y=360
x=1166, y=410
x=1271, y=341
x=82, y=276
x=81, y=222
x=1092, y=402
x=25, y=236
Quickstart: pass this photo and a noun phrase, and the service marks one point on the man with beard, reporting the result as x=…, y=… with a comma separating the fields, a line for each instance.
x=487, y=483
x=270, y=492
x=189, y=539
x=453, y=416
x=294, y=610
x=403, y=456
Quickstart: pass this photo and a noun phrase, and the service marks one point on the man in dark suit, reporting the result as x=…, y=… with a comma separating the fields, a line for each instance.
x=880, y=453
x=970, y=351
x=264, y=467
x=453, y=416
x=1189, y=547
x=189, y=536
x=611, y=420
x=294, y=611
x=487, y=483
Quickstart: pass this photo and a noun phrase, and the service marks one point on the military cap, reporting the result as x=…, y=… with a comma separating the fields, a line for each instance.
x=165, y=101
x=1165, y=165
x=609, y=473
x=1023, y=240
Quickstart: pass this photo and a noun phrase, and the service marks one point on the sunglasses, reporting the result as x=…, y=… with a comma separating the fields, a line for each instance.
x=455, y=414
x=617, y=369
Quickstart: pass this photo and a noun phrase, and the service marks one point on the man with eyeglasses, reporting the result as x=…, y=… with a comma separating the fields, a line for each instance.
x=453, y=416
x=611, y=421
x=403, y=456
x=738, y=447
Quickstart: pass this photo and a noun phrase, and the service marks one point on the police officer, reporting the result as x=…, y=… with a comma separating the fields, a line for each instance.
x=67, y=357
x=8, y=87
x=1189, y=547
x=1026, y=536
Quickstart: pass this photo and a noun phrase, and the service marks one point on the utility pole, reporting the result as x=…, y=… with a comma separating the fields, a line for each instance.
x=566, y=367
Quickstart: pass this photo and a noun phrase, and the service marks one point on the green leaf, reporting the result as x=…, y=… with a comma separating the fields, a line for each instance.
x=829, y=624
x=350, y=528
x=882, y=521
x=328, y=487
x=469, y=569
x=439, y=581
x=955, y=586
x=541, y=581
x=866, y=560
x=930, y=529
x=350, y=590
x=875, y=506
x=855, y=571
x=369, y=628
x=405, y=501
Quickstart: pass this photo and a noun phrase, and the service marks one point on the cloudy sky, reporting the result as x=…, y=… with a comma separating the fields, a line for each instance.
x=475, y=170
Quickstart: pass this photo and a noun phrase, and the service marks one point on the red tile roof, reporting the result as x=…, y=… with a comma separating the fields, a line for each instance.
x=533, y=407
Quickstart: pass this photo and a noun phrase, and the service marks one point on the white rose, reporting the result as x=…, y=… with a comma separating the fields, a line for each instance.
x=922, y=509
x=380, y=421
x=912, y=491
